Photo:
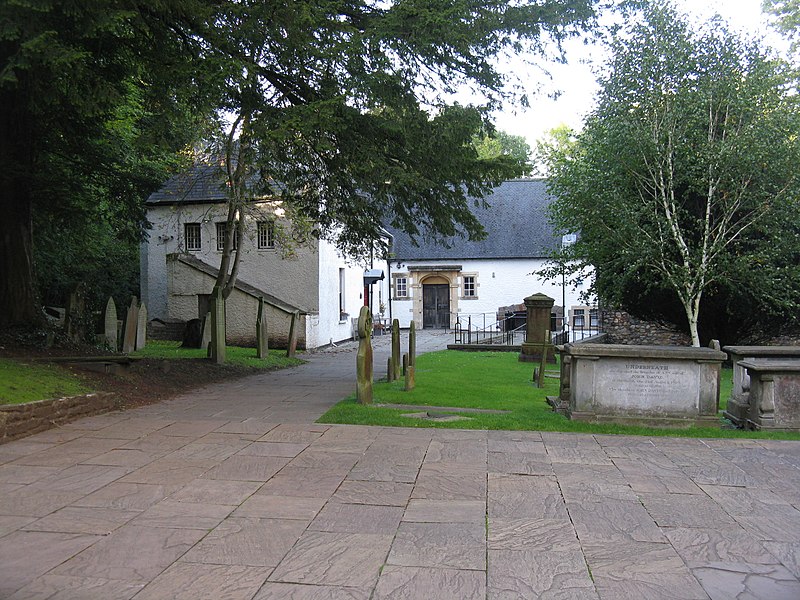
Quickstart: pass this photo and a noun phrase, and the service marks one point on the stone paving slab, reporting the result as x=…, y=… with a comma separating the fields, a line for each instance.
x=234, y=492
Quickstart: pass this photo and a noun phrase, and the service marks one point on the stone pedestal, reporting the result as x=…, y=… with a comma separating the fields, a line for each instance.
x=538, y=308
x=738, y=409
x=774, y=398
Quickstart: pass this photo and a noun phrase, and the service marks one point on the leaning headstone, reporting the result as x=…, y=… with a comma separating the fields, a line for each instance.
x=396, y=349
x=205, y=337
x=262, y=347
x=291, y=349
x=217, y=326
x=110, y=325
x=364, y=357
x=131, y=323
x=141, y=327
x=412, y=344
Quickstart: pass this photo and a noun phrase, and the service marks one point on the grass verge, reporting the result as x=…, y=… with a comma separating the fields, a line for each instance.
x=234, y=355
x=22, y=381
x=497, y=380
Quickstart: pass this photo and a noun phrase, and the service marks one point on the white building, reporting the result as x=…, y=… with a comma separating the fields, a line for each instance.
x=432, y=284
x=181, y=257
x=437, y=284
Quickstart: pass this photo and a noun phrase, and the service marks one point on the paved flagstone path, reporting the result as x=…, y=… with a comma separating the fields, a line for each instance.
x=232, y=492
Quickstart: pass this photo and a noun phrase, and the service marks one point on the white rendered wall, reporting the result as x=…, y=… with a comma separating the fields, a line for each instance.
x=331, y=327
x=499, y=283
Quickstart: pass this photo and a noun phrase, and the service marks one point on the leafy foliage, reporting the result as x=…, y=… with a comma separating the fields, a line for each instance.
x=684, y=181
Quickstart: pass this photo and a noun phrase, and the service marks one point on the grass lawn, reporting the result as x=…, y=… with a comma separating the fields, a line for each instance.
x=497, y=380
x=22, y=382
x=234, y=355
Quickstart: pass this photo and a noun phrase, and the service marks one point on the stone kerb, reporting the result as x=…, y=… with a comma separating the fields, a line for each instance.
x=738, y=409
x=663, y=386
x=774, y=397
x=20, y=420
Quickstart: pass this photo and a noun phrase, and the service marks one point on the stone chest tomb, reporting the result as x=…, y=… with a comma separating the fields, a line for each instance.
x=665, y=386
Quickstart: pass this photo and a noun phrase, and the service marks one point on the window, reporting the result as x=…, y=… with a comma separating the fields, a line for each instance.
x=266, y=235
x=191, y=233
x=594, y=318
x=221, y=229
x=469, y=286
x=401, y=287
x=578, y=317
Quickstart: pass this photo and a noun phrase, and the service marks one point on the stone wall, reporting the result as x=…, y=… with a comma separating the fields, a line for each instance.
x=623, y=328
x=19, y=420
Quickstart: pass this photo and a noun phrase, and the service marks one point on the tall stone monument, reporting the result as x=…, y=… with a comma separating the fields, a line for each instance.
x=110, y=331
x=538, y=308
x=217, y=326
x=131, y=323
x=396, y=366
x=412, y=345
x=262, y=344
x=141, y=327
x=364, y=357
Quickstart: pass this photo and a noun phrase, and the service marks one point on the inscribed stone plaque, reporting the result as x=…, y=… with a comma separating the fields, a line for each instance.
x=649, y=386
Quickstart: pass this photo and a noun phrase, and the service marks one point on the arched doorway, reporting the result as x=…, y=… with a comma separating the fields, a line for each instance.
x=435, y=303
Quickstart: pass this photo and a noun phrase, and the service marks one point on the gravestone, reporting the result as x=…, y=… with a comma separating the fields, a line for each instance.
x=389, y=370
x=364, y=357
x=262, y=344
x=543, y=360
x=405, y=363
x=110, y=331
x=538, y=308
x=291, y=349
x=412, y=344
x=774, y=397
x=409, y=373
x=141, y=327
x=193, y=334
x=205, y=338
x=738, y=409
x=131, y=324
x=75, y=313
x=217, y=326
x=662, y=386
x=396, y=349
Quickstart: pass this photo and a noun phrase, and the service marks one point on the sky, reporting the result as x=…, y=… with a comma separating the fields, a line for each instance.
x=577, y=84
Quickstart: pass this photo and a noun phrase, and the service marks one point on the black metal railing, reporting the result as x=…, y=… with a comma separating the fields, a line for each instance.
x=476, y=331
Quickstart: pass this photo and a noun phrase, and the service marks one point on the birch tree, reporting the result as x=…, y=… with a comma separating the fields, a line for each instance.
x=691, y=150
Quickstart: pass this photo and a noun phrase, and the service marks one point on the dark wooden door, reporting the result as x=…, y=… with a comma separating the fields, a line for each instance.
x=435, y=306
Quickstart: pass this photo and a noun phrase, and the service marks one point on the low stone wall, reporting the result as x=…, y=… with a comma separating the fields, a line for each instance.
x=20, y=420
x=623, y=328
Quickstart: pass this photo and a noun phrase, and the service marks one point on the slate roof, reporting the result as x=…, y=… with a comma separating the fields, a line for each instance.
x=516, y=224
x=199, y=185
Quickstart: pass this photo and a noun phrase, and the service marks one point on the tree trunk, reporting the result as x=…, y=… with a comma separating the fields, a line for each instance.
x=692, y=309
x=19, y=304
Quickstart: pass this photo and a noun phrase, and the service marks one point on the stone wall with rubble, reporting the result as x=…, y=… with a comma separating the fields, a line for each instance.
x=623, y=328
x=19, y=420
